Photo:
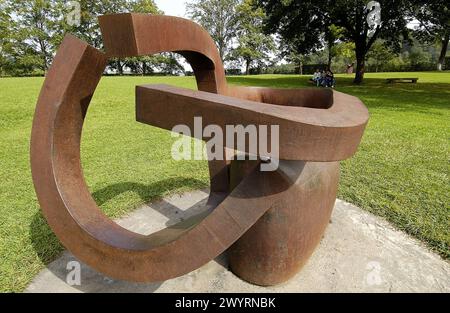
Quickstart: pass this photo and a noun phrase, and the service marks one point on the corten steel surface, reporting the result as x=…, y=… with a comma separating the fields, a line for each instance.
x=269, y=221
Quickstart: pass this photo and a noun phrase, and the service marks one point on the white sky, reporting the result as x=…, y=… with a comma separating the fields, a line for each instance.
x=172, y=7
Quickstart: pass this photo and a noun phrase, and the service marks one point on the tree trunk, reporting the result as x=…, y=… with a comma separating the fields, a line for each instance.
x=360, y=69
x=44, y=56
x=360, y=52
x=443, y=52
x=300, y=68
x=119, y=67
x=329, y=58
x=221, y=47
x=247, y=67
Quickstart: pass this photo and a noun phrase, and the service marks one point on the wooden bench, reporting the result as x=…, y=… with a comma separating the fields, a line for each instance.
x=401, y=80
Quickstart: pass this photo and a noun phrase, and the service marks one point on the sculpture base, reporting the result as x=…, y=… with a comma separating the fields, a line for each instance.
x=279, y=244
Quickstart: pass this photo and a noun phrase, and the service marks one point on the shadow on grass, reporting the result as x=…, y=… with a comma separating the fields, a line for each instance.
x=48, y=248
x=146, y=192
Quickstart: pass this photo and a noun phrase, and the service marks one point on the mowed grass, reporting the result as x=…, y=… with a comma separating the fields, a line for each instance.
x=400, y=171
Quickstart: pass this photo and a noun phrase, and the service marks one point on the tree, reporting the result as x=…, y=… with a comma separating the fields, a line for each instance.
x=5, y=28
x=88, y=29
x=145, y=6
x=164, y=63
x=168, y=64
x=293, y=56
x=40, y=25
x=31, y=31
x=253, y=45
x=219, y=18
x=332, y=35
x=17, y=57
x=434, y=19
x=379, y=54
x=346, y=51
x=36, y=27
x=418, y=58
x=303, y=22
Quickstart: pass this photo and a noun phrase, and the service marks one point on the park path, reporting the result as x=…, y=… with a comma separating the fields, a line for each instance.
x=359, y=253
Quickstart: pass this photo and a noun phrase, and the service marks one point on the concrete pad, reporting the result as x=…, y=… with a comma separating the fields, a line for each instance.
x=359, y=253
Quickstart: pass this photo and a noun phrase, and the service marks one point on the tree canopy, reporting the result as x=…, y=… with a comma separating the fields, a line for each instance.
x=303, y=23
x=254, y=34
x=434, y=19
x=219, y=18
x=32, y=30
x=253, y=46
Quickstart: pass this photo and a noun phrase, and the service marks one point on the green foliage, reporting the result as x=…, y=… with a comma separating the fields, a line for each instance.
x=333, y=35
x=303, y=24
x=236, y=28
x=219, y=18
x=289, y=68
x=379, y=55
x=434, y=19
x=381, y=58
x=345, y=50
x=32, y=30
x=412, y=58
x=253, y=45
x=145, y=6
x=4, y=35
x=33, y=33
x=89, y=29
x=418, y=56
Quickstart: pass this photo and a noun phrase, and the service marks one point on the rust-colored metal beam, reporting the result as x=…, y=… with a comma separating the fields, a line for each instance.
x=129, y=35
x=330, y=131
x=269, y=221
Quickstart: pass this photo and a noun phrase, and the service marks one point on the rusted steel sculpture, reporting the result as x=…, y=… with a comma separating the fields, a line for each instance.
x=270, y=222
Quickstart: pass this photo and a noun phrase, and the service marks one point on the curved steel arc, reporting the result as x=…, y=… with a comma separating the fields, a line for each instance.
x=133, y=34
x=295, y=201
x=73, y=214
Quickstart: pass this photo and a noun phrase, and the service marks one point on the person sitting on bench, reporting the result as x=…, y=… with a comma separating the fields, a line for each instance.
x=329, y=80
x=317, y=76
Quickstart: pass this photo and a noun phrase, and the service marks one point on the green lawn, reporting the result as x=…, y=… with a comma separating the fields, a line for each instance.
x=400, y=171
